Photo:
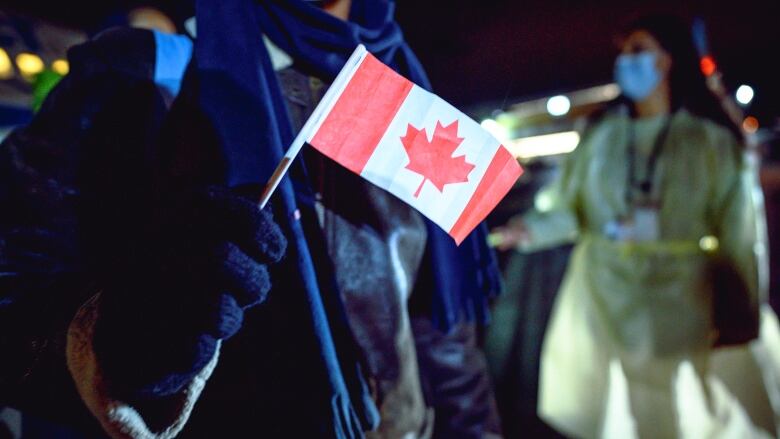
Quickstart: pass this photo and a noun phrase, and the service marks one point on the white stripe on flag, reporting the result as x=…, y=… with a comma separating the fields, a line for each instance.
x=386, y=167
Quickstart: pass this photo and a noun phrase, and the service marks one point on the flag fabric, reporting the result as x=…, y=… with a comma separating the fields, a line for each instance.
x=416, y=146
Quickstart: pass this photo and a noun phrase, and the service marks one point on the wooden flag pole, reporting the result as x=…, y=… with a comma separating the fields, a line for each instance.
x=315, y=121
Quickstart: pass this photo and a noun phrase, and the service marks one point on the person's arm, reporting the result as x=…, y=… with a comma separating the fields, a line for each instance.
x=741, y=259
x=553, y=219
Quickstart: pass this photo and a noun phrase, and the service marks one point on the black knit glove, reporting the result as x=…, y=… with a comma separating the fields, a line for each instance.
x=178, y=262
x=194, y=274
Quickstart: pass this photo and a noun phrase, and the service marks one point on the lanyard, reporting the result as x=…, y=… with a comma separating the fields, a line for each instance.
x=645, y=186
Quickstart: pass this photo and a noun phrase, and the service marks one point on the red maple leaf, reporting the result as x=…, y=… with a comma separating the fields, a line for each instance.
x=433, y=160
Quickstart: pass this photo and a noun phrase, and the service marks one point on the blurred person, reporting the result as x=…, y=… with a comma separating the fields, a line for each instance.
x=148, y=17
x=142, y=17
x=654, y=329
x=123, y=217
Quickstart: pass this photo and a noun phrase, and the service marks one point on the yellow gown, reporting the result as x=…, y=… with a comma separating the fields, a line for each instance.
x=628, y=350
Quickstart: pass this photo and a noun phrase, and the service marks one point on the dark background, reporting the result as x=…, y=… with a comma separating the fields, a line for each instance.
x=498, y=52
x=494, y=53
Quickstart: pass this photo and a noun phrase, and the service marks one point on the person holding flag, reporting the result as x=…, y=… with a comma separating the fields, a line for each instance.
x=174, y=256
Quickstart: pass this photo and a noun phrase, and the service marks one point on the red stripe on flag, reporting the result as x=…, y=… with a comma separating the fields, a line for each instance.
x=501, y=175
x=361, y=115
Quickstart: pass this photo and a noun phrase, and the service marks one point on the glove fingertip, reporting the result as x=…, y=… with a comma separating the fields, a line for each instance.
x=271, y=238
x=247, y=279
x=228, y=317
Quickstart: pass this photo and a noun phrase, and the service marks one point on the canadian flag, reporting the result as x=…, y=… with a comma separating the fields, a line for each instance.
x=413, y=144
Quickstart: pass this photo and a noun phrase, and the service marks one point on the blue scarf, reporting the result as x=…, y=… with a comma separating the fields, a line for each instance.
x=240, y=93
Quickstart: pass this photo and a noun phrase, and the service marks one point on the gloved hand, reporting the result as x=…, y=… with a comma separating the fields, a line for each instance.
x=178, y=257
x=199, y=263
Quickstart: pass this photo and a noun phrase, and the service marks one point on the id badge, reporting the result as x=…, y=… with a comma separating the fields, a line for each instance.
x=619, y=230
x=646, y=224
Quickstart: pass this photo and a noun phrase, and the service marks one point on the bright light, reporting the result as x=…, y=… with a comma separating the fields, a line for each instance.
x=708, y=243
x=558, y=105
x=60, y=66
x=496, y=129
x=547, y=144
x=750, y=124
x=29, y=64
x=608, y=92
x=6, y=69
x=577, y=98
x=543, y=201
x=744, y=94
x=708, y=65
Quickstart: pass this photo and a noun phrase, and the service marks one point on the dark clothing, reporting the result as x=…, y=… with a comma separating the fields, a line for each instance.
x=375, y=239
x=514, y=342
x=298, y=366
x=265, y=376
x=455, y=381
x=42, y=281
x=352, y=240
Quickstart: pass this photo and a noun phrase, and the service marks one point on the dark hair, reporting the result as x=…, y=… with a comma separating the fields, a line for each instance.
x=687, y=84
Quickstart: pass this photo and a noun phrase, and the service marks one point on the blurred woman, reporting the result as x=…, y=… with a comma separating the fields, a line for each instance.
x=668, y=222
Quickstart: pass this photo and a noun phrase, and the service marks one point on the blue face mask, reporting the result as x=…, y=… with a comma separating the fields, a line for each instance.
x=637, y=75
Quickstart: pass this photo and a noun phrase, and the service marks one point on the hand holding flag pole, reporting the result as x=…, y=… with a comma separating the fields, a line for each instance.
x=408, y=141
